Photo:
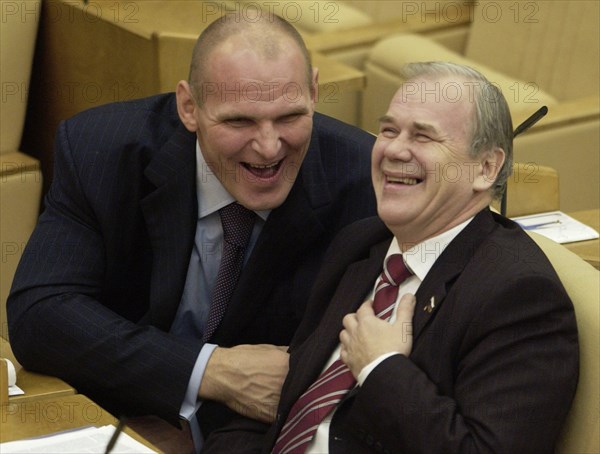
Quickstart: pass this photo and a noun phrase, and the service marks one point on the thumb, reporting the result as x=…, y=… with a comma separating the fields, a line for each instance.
x=406, y=308
x=403, y=325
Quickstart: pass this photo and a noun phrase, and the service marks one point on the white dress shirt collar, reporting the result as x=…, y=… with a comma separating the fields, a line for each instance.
x=420, y=258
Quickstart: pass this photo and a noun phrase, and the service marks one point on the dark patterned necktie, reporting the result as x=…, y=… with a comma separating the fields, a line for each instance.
x=237, y=224
x=337, y=380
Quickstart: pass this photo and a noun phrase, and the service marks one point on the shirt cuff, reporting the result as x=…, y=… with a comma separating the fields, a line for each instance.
x=364, y=373
x=191, y=402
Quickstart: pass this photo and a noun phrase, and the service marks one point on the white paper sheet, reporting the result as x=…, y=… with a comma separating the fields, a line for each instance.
x=86, y=440
x=557, y=226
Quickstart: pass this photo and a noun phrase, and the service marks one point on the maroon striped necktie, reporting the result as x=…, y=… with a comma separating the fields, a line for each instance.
x=337, y=380
x=238, y=223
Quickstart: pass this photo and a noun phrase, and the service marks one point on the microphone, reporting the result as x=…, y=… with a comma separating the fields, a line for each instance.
x=533, y=119
x=113, y=440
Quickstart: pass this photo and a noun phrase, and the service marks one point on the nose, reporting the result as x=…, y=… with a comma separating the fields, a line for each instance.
x=267, y=142
x=398, y=149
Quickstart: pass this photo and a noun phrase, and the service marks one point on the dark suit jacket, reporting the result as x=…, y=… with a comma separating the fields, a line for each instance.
x=493, y=367
x=102, y=276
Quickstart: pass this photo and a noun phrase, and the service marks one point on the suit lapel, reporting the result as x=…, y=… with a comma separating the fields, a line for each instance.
x=170, y=211
x=351, y=292
x=292, y=227
x=447, y=268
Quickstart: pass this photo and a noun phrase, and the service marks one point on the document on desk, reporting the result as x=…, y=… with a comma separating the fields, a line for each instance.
x=86, y=440
x=557, y=226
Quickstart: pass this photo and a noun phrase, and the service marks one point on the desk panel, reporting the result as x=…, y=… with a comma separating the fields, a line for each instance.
x=587, y=250
x=36, y=386
x=46, y=416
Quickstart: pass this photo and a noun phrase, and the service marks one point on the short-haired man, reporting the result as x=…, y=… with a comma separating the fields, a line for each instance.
x=480, y=353
x=120, y=290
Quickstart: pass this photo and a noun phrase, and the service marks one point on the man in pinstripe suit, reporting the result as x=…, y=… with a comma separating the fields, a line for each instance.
x=114, y=287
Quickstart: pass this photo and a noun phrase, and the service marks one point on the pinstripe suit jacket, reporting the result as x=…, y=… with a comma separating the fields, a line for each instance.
x=494, y=364
x=103, y=273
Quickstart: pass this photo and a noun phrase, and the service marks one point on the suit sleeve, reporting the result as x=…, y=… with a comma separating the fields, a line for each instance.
x=515, y=373
x=241, y=435
x=58, y=325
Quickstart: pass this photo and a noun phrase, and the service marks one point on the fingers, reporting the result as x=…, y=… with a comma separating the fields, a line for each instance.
x=349, y=321
x=366, y=337
x=403, y=325
x=350, y=334
x=365, y=309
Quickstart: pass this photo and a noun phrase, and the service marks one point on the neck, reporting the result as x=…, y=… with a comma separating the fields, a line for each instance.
x=409, y=237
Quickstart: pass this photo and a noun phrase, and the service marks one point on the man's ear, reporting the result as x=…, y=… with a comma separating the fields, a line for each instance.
x=490, y=165
x=315, y=85
x=186, y=106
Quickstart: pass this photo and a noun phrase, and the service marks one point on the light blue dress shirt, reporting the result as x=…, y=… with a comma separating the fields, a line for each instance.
x=192, y=314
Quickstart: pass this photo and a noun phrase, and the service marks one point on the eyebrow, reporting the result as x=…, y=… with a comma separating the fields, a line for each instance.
x=233, y=116
x=298, y=110
x=425, y=127
x=416, y=124
x=385, y=119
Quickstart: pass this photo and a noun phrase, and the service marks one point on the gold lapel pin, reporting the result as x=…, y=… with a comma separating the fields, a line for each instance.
x=431, y=306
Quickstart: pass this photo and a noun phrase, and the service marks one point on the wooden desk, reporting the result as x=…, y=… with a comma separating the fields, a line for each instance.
x=45, y=416
x=587, y=250
x=36, y=386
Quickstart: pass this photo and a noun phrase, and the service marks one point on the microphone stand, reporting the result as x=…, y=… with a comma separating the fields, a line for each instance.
x=533, y=119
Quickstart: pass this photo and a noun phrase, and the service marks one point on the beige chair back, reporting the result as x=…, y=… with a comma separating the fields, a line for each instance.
x=554, y=43
x=581, y=433
x=20, y=177
x=17, y=38
x=3, y=382
x=315, y=16
x=531, y=189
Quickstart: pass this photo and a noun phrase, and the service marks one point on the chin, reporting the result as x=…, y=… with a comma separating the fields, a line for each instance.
x=263, y=202
x=388, y=209
x=394, y=218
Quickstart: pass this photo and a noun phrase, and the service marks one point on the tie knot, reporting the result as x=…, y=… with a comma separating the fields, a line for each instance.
x=386, y=291
x=394, y=270
x=237, y=224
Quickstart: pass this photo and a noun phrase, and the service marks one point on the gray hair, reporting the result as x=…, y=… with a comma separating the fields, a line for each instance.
x=492, y=126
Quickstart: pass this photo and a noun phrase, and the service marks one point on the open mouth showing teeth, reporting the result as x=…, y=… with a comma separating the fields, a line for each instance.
x=263, y=170
x=404, y=180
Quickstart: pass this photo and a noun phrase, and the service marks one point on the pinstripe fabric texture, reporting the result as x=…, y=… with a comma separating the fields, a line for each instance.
x=101, y=278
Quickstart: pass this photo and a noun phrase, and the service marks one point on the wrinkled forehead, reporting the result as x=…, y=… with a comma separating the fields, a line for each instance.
x=439, y=104
x=256, y=92
x=440, y=90
x=238, y=72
